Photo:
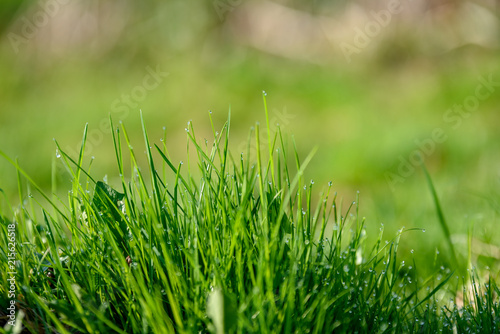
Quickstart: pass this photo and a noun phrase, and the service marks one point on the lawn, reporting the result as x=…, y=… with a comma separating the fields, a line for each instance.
x=375, y=124
x=245, y=246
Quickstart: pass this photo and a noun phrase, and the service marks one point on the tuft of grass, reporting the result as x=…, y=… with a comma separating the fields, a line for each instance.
x=246, y=247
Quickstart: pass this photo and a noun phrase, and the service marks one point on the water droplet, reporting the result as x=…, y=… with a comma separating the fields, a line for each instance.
x=330, y=183
x=423, y=230
x=312, y=181
x=264, y=92
x=105, y=178
x=58, y=155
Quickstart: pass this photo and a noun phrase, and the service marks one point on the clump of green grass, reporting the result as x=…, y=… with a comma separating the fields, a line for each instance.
x=243, y=248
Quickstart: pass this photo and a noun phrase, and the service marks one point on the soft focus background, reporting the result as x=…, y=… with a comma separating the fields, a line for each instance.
x=370, y=83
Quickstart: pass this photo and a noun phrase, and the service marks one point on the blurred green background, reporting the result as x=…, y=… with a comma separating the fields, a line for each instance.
x=362, y=80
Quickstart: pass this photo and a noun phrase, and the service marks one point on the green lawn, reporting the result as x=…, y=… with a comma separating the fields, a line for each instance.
x=362, y=121
x=367, y=120
x=247, y=246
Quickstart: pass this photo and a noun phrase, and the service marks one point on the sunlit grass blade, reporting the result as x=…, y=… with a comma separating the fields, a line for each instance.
x=440, y=215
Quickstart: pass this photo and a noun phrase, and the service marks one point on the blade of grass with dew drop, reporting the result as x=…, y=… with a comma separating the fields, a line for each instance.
x=76, y=176
x=175, y=170
x=34, y=184
x=67, y=159
x=270, y=143
x=156, y=190
x=294, y=183
x=265, y=218
x=142, y=189
x=433, y=292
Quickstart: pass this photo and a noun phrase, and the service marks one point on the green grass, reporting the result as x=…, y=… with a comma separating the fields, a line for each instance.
x=361, y=120
x=219, y=244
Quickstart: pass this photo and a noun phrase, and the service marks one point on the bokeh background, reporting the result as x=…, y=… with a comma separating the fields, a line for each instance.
x=369, y=82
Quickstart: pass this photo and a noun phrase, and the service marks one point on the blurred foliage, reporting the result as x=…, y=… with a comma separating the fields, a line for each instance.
x=8, y=10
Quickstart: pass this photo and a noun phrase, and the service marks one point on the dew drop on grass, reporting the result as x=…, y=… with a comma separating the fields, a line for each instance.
x=330, y=183
x=58, y=155
x=423, y=230
x=105, y=178
x=264, y=92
